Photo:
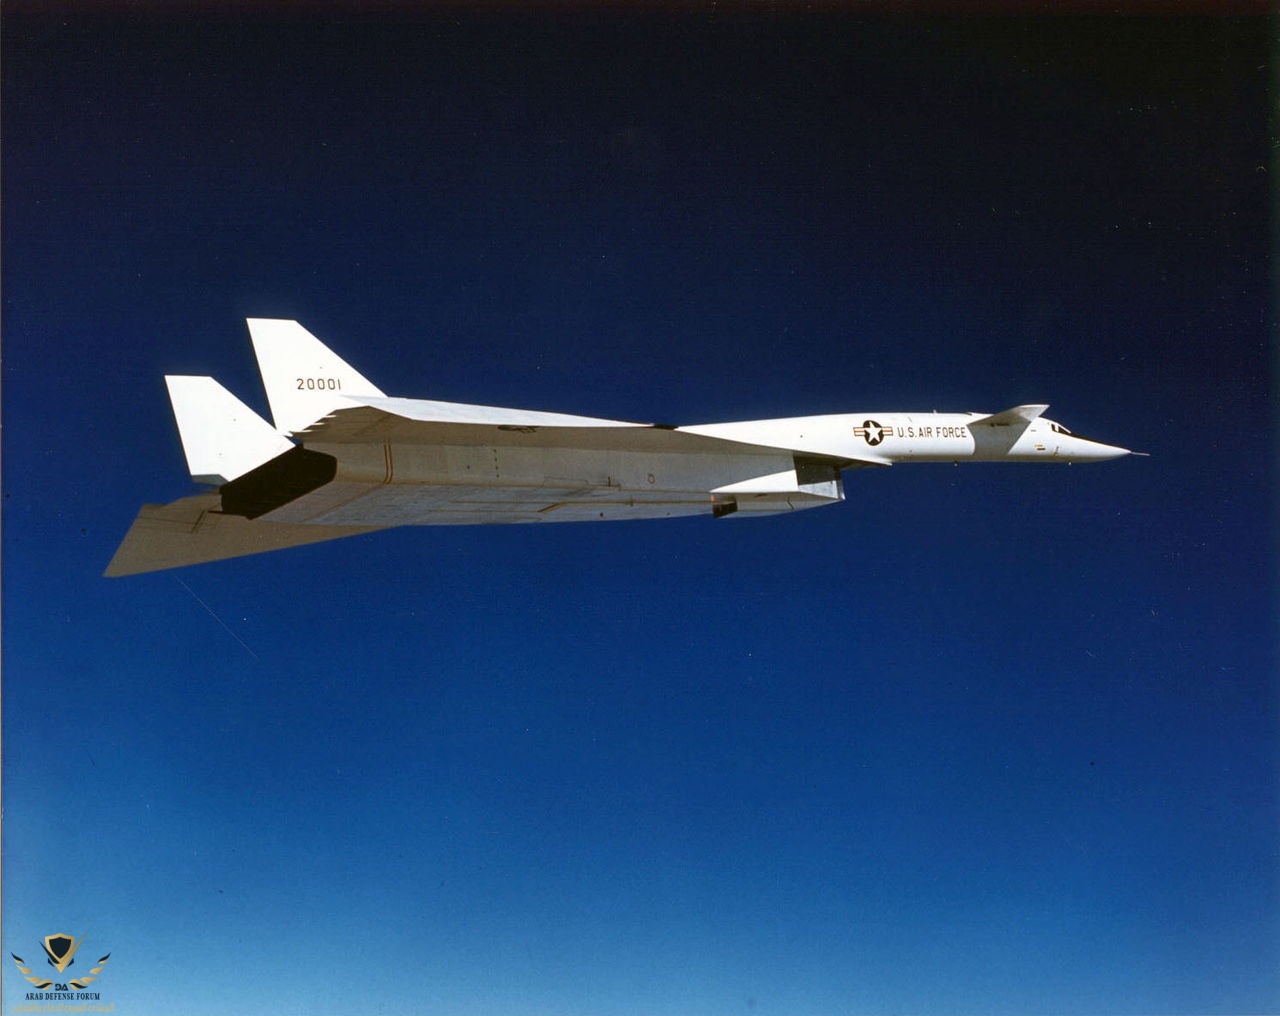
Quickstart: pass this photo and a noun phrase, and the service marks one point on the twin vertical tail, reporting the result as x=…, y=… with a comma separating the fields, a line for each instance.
x=222, y=437
x=304, y=378
x=305, y=381
x=224, y=440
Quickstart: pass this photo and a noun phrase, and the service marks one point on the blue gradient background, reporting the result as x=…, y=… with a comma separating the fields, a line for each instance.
x=980, y=740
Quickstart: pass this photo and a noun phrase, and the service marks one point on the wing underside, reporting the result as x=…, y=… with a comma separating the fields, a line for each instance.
x=194, y=530
x=364, y=468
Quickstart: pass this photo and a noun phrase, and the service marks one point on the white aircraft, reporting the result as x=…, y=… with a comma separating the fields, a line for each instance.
x=343, y=458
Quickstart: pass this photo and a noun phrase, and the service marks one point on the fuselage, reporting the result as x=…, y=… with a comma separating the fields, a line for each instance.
x=893, y=437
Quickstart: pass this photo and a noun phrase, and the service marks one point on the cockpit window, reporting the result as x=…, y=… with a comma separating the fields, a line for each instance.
x=1059, y=428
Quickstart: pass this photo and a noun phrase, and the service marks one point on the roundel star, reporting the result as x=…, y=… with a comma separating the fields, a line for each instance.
x=871, y=432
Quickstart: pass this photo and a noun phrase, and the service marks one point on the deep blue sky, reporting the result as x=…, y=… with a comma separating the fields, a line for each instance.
x=984, y=739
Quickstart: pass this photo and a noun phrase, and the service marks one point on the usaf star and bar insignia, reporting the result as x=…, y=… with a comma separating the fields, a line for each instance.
x=872, y=432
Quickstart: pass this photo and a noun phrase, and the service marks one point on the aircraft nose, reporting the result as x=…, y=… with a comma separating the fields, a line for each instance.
x=1097, y=451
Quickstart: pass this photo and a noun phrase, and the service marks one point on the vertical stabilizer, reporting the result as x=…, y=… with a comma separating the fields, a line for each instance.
x=304, y=378
x=221, y=436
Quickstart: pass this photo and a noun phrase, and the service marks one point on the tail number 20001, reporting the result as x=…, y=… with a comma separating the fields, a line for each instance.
x=319, y=384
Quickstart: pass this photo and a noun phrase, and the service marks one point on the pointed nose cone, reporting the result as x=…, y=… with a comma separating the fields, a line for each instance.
x=1112, y=452
x=1088, y=450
